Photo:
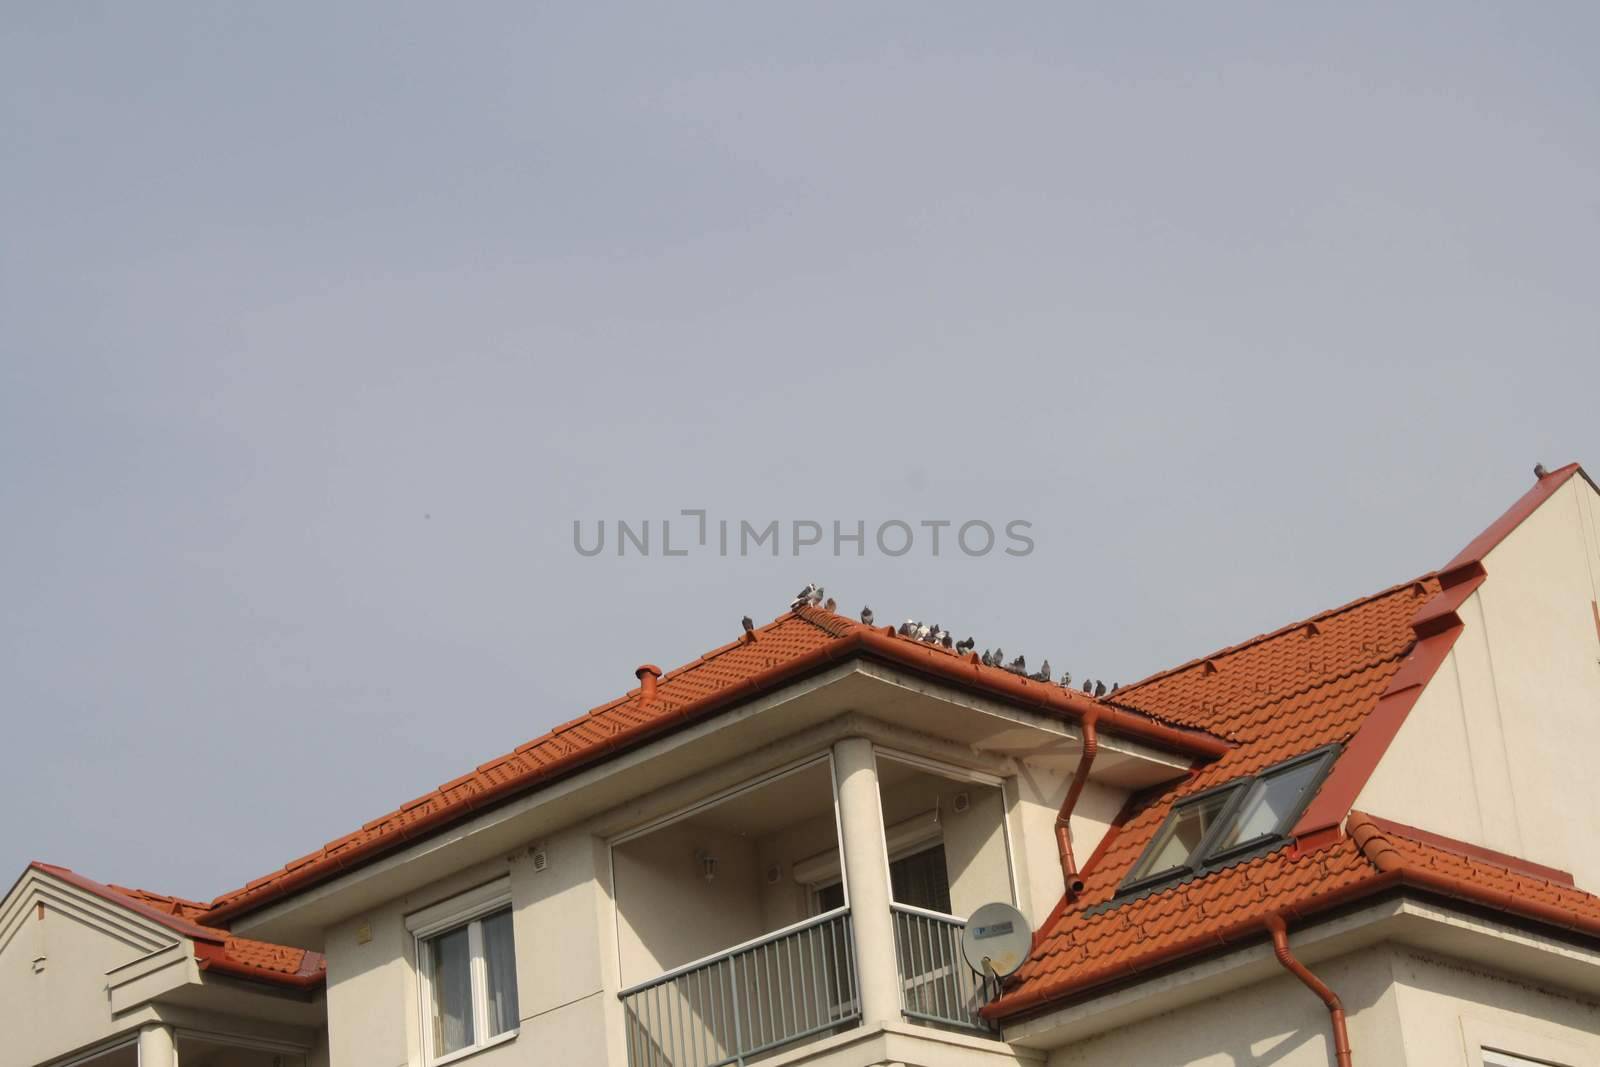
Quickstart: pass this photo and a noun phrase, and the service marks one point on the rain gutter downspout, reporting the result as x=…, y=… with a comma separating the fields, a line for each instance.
x=1280, y=947
x=1069, y=865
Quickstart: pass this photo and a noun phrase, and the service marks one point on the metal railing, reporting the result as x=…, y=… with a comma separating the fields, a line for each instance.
x=936, y=984
x=748, y=999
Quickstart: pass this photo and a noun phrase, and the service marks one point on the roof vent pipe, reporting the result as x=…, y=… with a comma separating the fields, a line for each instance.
x=1069, y=865
x=647, y=676
x=1280, y=948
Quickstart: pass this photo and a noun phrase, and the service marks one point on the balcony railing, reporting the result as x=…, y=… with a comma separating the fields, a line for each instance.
x=936, y=984
x=747, y=1000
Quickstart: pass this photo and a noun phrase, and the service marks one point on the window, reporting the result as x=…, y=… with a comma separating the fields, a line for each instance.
x=1178, y=841
x=467, y=970
x=921, y=880
x=1229, y=821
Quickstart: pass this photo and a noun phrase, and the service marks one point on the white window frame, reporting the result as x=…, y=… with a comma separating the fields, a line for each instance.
x=958, y=773
x=469, y=909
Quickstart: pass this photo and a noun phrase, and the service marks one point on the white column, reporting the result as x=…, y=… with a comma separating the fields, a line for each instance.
x=865, y=868
x=157, y=1046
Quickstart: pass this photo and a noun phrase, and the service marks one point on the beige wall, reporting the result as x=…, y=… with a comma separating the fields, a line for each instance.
x=61, y=1005
x=1500, y=749
x=1039, y=793
x=669, y=914
x=787, y=901
x=1406, y=1009
x=975, y=851
x=1277, y=1021
x=1451, y=1010
x=565, y=965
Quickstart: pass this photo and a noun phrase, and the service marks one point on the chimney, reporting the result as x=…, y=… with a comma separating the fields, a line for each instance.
x=647, y=676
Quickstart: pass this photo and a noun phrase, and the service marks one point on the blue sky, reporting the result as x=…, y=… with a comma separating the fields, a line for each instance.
x=320, y=327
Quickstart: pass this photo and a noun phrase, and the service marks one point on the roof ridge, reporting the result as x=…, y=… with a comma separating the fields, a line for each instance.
x=1262, y=638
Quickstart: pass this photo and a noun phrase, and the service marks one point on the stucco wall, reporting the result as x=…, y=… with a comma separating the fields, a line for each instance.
x=669, y=914
x=1501, y=747
x=1040, y=791
x=62, y=1005
x=1277, y=1021
x=1450, y=1011
x=565, y=953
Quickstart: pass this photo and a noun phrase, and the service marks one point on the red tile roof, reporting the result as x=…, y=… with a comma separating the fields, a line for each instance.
x=1279, y=696
x=794, y=645
x=1347, y=676
x=215, y=949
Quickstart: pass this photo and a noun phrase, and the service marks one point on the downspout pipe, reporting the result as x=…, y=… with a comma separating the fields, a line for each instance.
x=1069, y=864
x=1280, y=947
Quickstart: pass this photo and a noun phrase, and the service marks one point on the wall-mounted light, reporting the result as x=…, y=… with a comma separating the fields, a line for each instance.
x=708, y=864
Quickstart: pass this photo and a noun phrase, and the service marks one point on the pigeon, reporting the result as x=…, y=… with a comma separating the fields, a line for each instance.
x=1018, y=665
x=831, y=604
x=1066, y=679
x=748, y=623
x=923, y=630
x=1044, y=672
x=944, y=639
x=809, y=595
x=908, y=628
x=999, y=659
x=1539, y=471
x=1115, y=686
x=966, y=646
x=1099, y=689
x=1088, y=686
x=866, y=616
x=987, y=659
x=816, y=596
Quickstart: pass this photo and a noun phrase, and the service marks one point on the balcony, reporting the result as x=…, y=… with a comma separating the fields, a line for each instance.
x=790, y=873
x=749, y=1000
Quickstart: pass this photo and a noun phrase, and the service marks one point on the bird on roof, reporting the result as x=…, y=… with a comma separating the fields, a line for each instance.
x=966, y=646
x=1115, y=686
x=830, y=605
x=866, y=616
x=908, y=628
x=1539, y=471
x=999, y=659
x=1088, y=685
x=1018, y=665
x=945, y=639
x=987, y=659
x=1066, y=679
x=811, y=594
x=1099, y=689
x=748, y=623
x=1043, y=674
x=923, y=630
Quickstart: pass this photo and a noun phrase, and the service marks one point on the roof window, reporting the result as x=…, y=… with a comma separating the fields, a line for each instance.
x=1236, y=819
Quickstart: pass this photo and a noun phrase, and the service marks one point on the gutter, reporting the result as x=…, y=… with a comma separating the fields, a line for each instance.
x=967, y=673
x=1069, y=865
x=1280, y=948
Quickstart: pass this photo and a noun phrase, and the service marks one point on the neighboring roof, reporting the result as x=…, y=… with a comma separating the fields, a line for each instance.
x=1346, y=676
x=215, y=949
x=799, y=643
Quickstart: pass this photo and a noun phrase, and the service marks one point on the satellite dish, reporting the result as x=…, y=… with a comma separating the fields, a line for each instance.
x=996, y=939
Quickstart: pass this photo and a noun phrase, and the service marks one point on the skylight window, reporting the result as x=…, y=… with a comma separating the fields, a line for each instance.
x=1232, y=820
